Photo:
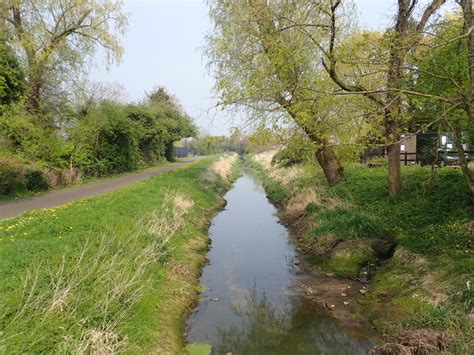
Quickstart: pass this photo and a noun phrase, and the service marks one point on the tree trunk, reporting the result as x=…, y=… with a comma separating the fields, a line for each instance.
x=398, y=50
x=435, y=161
x=34, y=94
x=467, y=11
x=463, y=163
x=392, y=132
x=328, y=161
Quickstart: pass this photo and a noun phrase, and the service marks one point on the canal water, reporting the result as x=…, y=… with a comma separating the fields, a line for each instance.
x=248, y=306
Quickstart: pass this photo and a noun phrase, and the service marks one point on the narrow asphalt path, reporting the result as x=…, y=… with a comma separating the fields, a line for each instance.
x=56, y=198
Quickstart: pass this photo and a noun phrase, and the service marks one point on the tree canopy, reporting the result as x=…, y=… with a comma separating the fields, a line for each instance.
x=12, y=79
x=57, y=37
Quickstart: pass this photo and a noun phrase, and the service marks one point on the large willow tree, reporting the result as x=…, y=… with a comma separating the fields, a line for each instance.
x=265, y=64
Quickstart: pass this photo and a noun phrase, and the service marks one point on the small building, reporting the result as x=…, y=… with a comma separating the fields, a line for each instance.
x=421, y=147
x=184, y=148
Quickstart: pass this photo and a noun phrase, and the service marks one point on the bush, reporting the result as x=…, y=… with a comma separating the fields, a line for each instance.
x=11, y=175
x=35, y=181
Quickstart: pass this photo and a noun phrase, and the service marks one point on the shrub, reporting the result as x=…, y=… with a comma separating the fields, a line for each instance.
x=35, y=181
x=11, y=175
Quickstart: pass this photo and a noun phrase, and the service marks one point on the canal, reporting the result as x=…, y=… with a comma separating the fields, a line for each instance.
x=249, y=306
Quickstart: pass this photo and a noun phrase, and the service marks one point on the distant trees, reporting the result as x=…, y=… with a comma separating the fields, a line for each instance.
x=172, y=118
x=101, y=138
x=111, y=137
x=468, y=44
x=442, y=72
x=207, y=144
x=58, y=127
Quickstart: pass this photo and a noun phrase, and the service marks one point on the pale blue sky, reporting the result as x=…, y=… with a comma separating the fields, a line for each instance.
x=162, y=47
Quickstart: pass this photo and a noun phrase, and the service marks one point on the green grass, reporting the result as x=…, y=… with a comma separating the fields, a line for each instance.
x=95, y=269
x=348, y=223
x=429, y=220
x=428, y=225
x=274, y=190
x=198, y=349
x=23, y=192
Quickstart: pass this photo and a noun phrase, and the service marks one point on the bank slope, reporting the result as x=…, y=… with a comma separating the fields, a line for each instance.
x=111, y=273
x=416, y=250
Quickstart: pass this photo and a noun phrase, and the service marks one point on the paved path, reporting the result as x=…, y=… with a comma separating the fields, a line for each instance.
x=12, y=208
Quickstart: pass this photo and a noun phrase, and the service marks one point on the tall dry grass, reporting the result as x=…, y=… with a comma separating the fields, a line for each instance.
x=265, y=158
x=298, y=195
x=224, y=165
x=88, y=298
x=220, y=172
x=283, y=175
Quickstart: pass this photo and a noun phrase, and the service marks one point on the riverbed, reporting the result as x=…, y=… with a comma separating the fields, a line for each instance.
x=249, y=305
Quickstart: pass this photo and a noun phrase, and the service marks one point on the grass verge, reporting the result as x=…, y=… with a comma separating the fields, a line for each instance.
x=109, y=274
x=421, y=297
x=23, y=192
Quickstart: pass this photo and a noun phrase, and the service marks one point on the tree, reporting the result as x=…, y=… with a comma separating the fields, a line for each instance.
x=468, y=33
x=403, y=38
x=63, y=34
x=171, y=116
x=443, y=70
x=265, y=65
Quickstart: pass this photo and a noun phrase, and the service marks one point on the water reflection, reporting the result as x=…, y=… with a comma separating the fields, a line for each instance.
x=247, y=308
x=266, y=328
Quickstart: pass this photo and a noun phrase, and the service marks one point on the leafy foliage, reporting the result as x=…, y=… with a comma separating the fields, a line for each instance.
x=442, y=71
x=12, y=80
x=35, y=181
x=57, y=37
x=102, y=137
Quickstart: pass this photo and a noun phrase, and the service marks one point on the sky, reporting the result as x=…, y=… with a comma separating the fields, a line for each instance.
x=163, y=47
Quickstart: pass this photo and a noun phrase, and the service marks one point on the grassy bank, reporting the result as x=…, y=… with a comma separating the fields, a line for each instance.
x=21, y=191
x=420, y=297
x=112, y=273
